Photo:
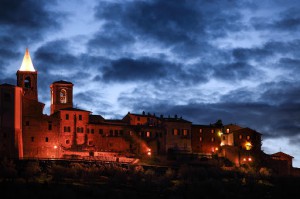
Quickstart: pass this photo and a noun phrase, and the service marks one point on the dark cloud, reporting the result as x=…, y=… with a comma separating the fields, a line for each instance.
x=185, y=26
x=238, y=71
x=288, y=20
x=136, y=70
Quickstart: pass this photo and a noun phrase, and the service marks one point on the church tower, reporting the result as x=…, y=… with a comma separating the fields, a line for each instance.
x=61, y=95
x=27, y=78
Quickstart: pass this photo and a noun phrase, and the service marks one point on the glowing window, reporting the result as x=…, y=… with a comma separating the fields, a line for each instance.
x=67, y=116
x=248, y=137
x=175, y=131
x=240, y=137
x=27, y=82
x=200, y=130
x=212, y=139
x=63, y=96
x=32, y=139
x=200, y=139
x=212, y=131
x=227, y=130
x=185, y=132
x=148, y=134
x=80, y=117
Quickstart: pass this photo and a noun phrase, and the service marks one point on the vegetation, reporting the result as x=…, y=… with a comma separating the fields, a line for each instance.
x=49, y=179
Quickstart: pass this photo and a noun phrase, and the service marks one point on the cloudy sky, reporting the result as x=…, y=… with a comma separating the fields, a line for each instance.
x=234, y=60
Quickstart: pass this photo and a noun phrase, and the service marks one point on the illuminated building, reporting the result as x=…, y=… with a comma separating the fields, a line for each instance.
x=26, y=132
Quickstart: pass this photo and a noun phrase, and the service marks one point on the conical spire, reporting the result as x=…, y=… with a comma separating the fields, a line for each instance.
x=27, y=63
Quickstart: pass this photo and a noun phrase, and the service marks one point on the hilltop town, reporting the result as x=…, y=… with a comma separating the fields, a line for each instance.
x=70, y=133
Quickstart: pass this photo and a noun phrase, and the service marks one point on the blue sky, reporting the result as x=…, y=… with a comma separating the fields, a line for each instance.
x=204, y=60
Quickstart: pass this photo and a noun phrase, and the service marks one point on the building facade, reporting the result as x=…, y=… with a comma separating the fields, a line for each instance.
x=25, y=132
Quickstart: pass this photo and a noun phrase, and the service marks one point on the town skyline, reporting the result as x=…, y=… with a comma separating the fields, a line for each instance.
x=202, y=61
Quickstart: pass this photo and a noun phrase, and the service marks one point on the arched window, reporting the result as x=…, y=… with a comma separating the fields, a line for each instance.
x=63, y=96
x=27, y=82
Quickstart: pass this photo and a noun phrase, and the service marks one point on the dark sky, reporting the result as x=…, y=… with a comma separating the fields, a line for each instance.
x=234, y=60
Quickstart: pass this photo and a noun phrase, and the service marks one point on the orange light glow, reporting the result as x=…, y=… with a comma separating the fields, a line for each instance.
x=249, y=159
x=55, y=147
x=248, y=145
x=244, y=159
x=216, y=148
x=149, y=152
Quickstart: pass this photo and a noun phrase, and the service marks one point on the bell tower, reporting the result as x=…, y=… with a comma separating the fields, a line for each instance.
x=61, y=95
x=27, y=78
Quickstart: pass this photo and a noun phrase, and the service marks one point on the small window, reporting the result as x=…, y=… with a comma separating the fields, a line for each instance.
x=49, y=126
x=240, y=137
x=80, y=117
x=46, y=139
x=148, y=134
x=212, y=131
x=67, y=141
x=27, y=123
x=27, y=82
x=69, y=129
x=248, y=137
x=185, y=132
x=175, y=131
x=78, y=129
x=63, y=96
x=130, y=133
x=200, y=139
x=212, y=139
x=227, y=131
x=101, y=131
x=116, y=133
x=90, y=142
x=92, y=131
x=111, y=133
x=32, y=139
x=67, y=116
x=200, y=130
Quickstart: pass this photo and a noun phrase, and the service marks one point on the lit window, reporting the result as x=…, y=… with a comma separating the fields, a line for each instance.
x=227, y=130
x=240, y=137
x=63, y=96
x=148, y=134
x=185, y=132
x=212, y=131
x=200, y=139
x=212, y=139
x=200, y=130
x=248, y=137
x=175, y=131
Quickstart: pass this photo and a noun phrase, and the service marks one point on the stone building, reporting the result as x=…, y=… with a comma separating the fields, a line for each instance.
x=25, y=132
